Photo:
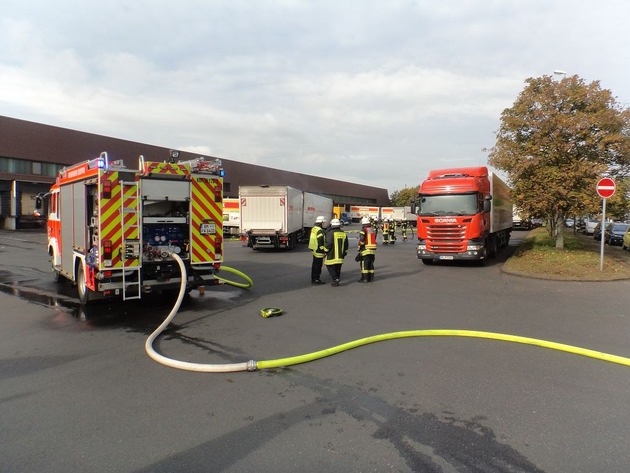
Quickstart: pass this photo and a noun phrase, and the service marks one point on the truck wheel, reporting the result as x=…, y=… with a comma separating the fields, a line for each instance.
x=292, y=241
x=484, y=255
x=83, y=291
x=492, y=247
x=56, y=273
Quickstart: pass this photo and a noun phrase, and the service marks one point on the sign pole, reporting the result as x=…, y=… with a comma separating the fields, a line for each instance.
x=601, y=230
x=605, y=188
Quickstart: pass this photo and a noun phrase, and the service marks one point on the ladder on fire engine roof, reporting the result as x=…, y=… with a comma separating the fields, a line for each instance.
x=131, y=243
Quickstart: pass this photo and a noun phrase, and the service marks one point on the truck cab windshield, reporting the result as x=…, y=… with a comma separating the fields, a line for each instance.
x=448, y=205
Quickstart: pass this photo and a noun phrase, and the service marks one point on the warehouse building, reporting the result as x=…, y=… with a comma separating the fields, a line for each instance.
x=31, y=154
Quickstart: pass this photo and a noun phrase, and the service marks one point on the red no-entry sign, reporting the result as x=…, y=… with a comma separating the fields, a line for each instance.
x=606, y=187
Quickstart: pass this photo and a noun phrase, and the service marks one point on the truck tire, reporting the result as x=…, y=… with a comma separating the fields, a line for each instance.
x=83, y=291
x=492, y=247
x=56, y=273
x=292, y=243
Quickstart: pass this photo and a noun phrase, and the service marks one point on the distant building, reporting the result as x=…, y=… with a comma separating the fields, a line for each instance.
x=32, y=153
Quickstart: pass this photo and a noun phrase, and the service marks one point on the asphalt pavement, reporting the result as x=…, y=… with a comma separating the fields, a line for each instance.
x=80, y=394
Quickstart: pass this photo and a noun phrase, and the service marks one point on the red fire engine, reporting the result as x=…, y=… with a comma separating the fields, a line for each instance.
x=112, y=230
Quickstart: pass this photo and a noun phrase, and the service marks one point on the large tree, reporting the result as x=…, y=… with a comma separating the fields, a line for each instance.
x=403, y=197
x=555, y=142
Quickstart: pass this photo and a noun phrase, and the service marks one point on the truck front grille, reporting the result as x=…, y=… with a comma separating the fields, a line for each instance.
x=446, y=238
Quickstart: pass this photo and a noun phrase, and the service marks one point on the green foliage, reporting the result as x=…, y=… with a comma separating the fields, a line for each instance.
x=404, y=197
x=556, y=141
x=618, y=206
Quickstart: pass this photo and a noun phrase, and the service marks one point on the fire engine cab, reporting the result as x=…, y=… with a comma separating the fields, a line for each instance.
x=112, y=230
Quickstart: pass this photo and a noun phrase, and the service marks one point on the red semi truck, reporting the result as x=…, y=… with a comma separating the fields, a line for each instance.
x=462, y=214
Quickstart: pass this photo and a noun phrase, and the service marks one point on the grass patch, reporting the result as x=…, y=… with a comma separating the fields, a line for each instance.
x=538, y=257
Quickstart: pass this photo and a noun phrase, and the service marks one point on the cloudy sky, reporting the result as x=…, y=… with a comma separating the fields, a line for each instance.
x=372, y=92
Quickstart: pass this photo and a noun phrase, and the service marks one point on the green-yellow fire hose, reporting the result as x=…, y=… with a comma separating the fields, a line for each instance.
x=295, y=360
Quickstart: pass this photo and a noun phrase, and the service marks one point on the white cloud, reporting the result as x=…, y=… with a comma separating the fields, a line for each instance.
x=372, y=92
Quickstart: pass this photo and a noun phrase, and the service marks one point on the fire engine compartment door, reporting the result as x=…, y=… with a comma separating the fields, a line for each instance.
x=165, y=189
x=206, y=220
x=72, y=210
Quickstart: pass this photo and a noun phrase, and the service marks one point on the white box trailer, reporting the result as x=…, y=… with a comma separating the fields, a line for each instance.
x=398, y=213
x=314, y=206
x=278, y=216
x=357, y=212
x=501, y=205
x=231, y=216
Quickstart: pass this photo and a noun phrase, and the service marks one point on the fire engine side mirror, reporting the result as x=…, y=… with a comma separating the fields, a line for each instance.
x=39, y=206
x=413, y=206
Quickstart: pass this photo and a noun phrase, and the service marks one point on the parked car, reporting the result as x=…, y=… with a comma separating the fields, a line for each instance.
x=589, y=225
x=537, y=222
x=569, y=223
x=597, y=232
x=625, y=244
x=613, y=235
x=521, y=223
x=579, y=225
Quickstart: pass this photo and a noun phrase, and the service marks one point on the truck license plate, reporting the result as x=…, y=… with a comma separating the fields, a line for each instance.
x=208, y=229
x=446, y=257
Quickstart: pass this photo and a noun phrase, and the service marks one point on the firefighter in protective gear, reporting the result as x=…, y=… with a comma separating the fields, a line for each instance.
x=317, y=244
x=403, y=230
x=392, y=231
x=374, y=223
x=385, y=229
x=336, y=250
x=367, y=251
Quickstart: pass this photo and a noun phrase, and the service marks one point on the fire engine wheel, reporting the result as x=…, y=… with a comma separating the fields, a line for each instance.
x=83, y=291
x=56, y=275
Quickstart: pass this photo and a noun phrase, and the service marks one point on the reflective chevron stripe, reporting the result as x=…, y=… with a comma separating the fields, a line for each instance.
x=207, y=220
x=111, y=228
x=170, y=169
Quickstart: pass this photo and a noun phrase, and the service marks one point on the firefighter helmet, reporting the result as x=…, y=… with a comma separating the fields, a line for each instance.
x=320, y=219
x=335, y=222
x=365, y=221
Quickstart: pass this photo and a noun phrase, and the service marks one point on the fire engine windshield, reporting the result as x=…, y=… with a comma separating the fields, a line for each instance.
x=451, y=204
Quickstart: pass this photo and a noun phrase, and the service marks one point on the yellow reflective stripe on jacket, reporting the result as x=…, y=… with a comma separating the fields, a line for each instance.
x=367, y=241
x=339, y=248
x=317, y=241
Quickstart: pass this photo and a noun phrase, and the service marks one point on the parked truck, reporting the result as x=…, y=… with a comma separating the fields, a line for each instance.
x=399, y=214
x=112, y=230
x=231, y=217
x=279, y=216
x=357, y=212
x=339, y=211
x=462, y=214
